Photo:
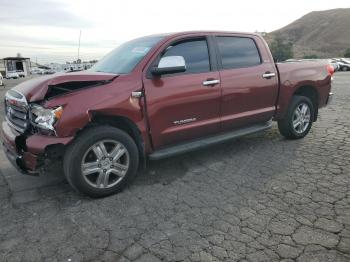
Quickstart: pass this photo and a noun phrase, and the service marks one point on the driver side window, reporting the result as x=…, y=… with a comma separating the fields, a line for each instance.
x=195, y=53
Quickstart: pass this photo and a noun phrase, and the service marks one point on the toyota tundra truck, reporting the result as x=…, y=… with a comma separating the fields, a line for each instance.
x=156, y=97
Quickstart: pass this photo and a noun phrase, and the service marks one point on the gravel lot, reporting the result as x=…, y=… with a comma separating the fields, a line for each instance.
x=258, y=198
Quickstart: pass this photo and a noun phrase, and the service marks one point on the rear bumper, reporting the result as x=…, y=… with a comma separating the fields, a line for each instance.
x=27, y=154
x=330, y=98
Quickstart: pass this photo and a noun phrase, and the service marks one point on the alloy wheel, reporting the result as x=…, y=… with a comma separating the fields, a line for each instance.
x=105, y=164
x=301, y=118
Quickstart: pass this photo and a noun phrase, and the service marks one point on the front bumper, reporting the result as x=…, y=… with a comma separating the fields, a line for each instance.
x=28, y=154
x=25, y=164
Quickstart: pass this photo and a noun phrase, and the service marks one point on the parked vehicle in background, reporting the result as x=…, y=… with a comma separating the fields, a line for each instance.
x=42, y=71
x=36, y=71
x=156, y=97
x=21, y=73
x=49, y=72
x=344, y=65
x=335, y=64
x=1, y=80
x=12, y=75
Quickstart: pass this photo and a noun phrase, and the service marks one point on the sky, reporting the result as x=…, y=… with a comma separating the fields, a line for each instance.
x=48, y=30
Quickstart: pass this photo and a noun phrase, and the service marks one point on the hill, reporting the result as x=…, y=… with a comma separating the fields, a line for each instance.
x=322, y=33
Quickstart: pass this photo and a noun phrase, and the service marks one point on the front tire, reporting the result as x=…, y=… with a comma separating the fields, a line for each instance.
x=101, y=161
x=299, y=118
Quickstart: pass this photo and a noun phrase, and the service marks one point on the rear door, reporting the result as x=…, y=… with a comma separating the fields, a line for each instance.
x=182, y=106
x=249, y=82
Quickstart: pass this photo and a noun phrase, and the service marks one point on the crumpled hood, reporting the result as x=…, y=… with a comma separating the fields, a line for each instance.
x=37, y=88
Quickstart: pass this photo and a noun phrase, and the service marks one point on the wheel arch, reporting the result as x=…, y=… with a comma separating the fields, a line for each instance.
x=311, y=93
x=121, y=122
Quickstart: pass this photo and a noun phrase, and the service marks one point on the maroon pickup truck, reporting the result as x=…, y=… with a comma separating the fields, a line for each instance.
x=155, y=97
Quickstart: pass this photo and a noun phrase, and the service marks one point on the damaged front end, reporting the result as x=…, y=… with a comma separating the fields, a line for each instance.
x=28, y=135
x=68, y=87
x=27, y=148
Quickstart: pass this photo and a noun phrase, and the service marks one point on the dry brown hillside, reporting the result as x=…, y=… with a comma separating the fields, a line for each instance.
x=321, y=33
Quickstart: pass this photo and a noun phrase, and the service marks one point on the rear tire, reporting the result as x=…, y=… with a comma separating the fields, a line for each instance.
x=344, y=69
x=101, y=161
x=299, y=118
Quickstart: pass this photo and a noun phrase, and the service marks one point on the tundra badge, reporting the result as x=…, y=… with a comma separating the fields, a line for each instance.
x=184, y=121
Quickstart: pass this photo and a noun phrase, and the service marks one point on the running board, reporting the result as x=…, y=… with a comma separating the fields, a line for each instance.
x=207, y=141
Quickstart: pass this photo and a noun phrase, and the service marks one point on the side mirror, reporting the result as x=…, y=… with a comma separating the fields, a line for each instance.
x=169, y=65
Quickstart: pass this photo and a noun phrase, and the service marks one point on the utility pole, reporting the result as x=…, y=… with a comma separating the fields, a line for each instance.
x=79, y=45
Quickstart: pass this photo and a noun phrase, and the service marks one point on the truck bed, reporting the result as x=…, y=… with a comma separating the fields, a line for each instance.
x=297, y=74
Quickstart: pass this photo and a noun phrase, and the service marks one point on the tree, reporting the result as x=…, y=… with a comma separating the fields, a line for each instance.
x=281, y=50
x=310, y=57
x=347, y=53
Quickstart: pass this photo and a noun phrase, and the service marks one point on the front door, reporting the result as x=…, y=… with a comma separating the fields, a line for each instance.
x=183, y=106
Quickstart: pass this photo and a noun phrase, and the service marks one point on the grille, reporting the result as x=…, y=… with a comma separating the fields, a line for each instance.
x=16, y=109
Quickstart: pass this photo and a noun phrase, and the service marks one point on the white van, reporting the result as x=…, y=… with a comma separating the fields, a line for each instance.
x=12, y=75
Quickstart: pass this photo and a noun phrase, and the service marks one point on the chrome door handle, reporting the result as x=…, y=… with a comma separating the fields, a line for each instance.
x=136, y=94
x=211, y=82
x=268, y=75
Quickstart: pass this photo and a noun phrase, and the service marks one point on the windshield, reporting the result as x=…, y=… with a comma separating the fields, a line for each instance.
x=124, y=58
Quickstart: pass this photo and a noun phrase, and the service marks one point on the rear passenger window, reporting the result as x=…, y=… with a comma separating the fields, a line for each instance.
x=237, y=52
x=195, y=53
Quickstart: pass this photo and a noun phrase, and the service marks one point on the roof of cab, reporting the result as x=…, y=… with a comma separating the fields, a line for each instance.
x=174, y=34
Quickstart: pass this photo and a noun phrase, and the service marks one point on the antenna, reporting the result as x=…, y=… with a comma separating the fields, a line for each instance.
x=79, y=45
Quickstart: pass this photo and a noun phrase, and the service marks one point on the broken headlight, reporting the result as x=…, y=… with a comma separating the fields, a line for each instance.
x=45, y=118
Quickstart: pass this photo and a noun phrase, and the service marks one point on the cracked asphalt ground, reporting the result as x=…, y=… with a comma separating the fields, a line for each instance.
x=258, y=198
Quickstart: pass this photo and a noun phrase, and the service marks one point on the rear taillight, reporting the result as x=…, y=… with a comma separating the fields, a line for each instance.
x=330, y=70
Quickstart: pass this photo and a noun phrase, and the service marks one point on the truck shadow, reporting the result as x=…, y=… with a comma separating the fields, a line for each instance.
x=258, y=150
x=249, y=161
